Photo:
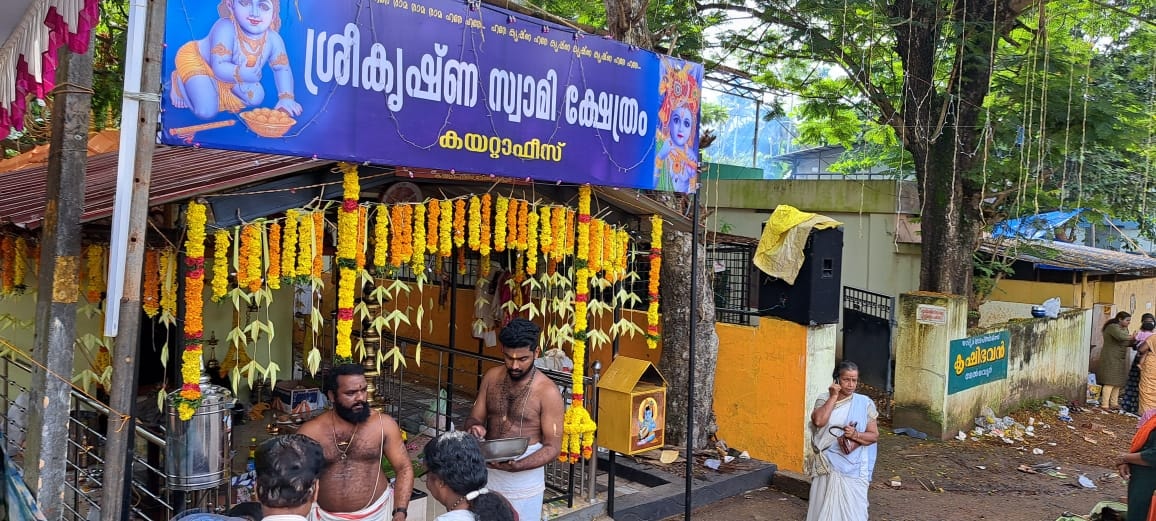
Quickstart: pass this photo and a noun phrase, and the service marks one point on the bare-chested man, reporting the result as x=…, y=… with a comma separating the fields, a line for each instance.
x=518, y=401
x=355, y=439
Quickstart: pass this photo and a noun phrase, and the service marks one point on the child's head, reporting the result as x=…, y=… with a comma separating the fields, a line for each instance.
x=255, y=17
x=681, y=125
x=680, y=100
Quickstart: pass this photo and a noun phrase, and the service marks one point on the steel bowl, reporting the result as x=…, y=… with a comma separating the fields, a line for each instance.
x=504, y=449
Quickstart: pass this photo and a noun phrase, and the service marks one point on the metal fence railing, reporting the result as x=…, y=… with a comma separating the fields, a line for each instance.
x=731, y=273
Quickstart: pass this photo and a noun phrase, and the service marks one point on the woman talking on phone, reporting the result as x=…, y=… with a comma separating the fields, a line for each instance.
x=843, y=434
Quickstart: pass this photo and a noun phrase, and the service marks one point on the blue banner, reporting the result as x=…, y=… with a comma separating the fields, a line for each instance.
x=977, y=360
x=445, y=84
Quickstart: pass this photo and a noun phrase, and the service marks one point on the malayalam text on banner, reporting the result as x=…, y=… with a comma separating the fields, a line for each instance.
x=444, y=84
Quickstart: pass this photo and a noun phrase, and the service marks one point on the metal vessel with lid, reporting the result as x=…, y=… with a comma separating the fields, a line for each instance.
x=198, y=451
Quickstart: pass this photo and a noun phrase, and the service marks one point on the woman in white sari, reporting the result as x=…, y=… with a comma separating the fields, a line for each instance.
x=843, y=434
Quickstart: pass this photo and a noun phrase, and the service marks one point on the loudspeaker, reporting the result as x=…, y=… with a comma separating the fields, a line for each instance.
x=814, y=298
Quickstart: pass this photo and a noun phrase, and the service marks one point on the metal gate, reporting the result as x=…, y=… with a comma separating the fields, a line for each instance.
x=868, y=320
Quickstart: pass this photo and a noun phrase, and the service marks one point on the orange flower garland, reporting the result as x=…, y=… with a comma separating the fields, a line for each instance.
x=596, y=235
x=523, y=222
x=347, y=234
x=578, y=427
x=8, y=264
x=609, y=238
x=244, y=247
x=486, y=238
x=652, y=336
x=18, y=267
x=94, y=276
x=151, y=289
x=220, y=282
x=431, y=227
x=318, y=242
x=396, y=214
x=405, y=228
x=417, y=260
x=362, y=235
x=273, y=274
x=289, y=247
x=501, y=221
x=189, y=397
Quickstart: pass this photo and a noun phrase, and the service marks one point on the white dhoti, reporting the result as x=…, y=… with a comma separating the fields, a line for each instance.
x=838, y=497
x=379, y=510
x=524, y=490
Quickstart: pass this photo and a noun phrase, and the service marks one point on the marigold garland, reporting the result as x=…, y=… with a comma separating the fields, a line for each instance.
x=445, y=242
x=273, y=274
x=433, y=214
x=289, y=247
x=405, y=228
x=475, y=231
x=623, y=252
x=7, y=261
x=570, y=233
x=189, y=397
x=558, y=250
x=486, y=236
x=532, y=243
x=512, y=225
x=380, y=237
x=168, y=270
x=578, y=427
x=459, y=223
x=417, y=261
x=318, y=241
x=220, y=282
x=545, y=235
x=652, y=335
x=244, y=256
x=94, y=274
x=501, y=217
x=397, y=235
x=347, y=234
x=596, y=238
x=304, y=248
x=255, y=256
x=151, y=289
x=609, y=237
x=19, y=266
x=523, y=223
x=362, y=235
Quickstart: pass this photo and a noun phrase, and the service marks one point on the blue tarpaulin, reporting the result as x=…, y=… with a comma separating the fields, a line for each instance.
x=18, y=500
x=1039, y=226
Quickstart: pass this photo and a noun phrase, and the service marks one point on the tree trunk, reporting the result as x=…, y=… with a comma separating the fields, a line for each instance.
x=626, y=20
x=676, y=300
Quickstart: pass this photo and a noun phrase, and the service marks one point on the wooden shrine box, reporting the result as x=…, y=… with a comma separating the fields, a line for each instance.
x=631, y=406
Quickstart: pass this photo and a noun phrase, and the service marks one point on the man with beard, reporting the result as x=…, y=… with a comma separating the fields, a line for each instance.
x=355, y=439
x=514, y=400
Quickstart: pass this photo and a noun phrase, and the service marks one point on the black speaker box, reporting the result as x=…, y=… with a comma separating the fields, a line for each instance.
x=814, y=298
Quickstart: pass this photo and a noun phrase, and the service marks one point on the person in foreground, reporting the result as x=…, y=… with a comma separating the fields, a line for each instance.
x=456, y=477
x=844, y=432
x=1138, y=466
x=515, y=400
x=288, y=470
x=355, y=439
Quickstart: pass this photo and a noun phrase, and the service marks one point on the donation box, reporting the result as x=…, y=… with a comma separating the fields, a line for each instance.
x=631, y=406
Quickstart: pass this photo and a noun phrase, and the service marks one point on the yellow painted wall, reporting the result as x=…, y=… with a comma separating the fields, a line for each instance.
x=1135, y=296
x=1031, y=292
x=760, y=390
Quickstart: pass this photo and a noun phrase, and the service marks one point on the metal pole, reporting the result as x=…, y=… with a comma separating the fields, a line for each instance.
x=592, y=471
x=690, y=363
x=612, y=459
x=755, y=139
x=452, y=341
x=58, y=290
x=116, y=499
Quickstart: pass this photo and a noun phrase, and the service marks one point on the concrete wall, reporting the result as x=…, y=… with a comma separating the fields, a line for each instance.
x=1046, y=358
x=765, y=383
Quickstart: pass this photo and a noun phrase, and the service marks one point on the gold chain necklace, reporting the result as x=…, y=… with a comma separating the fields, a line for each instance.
x=509, y=403
x=343, y=453
x=250, y=47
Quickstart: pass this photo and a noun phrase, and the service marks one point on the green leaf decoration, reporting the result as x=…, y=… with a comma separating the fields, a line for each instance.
x=161, y=399
x=165, y=356
x=417, y=354
x=318, y=321
x=271, y=371
x=313, y=361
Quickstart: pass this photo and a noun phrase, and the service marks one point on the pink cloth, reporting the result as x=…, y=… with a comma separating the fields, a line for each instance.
x=60, y=34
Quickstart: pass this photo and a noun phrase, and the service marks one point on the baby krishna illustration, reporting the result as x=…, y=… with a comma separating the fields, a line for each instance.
x=676, y=164
x=222, y=71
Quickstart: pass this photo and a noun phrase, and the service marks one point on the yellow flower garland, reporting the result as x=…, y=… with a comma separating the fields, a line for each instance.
x=244, y=249
x=445, y=242
x=220, y=282
x=578, y=427
x=306, y=237
x=380, y=237
x=189, y=397
x=289, y=247
x=501, y=214
x=319, y=242
x=362, y=235
x=569, y=233
x=431, y=227
x=417, y=260
x=486, y=237
x=558, y=250
x=397, y=236
x=475, y=223
x=7, y=263
x=255, y=256
x=459, y=223
x=168, y=269
x=652, y=335
x=273, y=274
x=596, y=238
x=532, y=242
x=151, y=288
x=545, y=235
x=348, y=218
x=19, y=267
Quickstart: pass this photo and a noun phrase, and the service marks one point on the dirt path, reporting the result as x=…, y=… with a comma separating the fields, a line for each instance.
x=944, y=481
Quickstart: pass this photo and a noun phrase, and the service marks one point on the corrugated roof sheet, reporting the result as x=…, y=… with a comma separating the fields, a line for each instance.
x=178, y=173
x=1070, y=257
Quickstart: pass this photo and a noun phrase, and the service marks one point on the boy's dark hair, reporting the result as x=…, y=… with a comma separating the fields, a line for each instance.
x=287, y=470
x=456, y=459
x=520, y=333
x=339, y=371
